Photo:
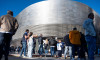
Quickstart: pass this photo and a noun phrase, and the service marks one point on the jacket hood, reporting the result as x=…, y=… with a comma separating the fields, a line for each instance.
x=75, y=31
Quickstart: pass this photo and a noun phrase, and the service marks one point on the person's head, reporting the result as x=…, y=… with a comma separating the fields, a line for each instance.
x=10, y=12
x=46, y=39
x=74, y=28
x=91, y=16
x=59, y=40
x=40, y=35
x=51, y=37
x=31, y=33
x=27, y=30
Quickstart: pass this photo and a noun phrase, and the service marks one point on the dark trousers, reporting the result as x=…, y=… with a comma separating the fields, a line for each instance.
x=59, y=53
x=91, y=42
x=63, y=50
x=74, y=49
x=33, y=49
x=5, y=39
x=83, y=49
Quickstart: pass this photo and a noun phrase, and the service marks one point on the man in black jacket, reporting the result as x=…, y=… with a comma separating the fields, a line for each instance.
x=53, y=44
x=83, y=47
x=68, y=47
x=40, y=41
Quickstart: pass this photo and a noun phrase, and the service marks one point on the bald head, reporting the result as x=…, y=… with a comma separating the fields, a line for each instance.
x=10, y=12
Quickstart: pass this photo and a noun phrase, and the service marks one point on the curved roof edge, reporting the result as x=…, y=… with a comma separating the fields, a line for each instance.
x=61, y=0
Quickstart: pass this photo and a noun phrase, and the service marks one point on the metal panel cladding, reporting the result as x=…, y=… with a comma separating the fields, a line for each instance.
x=54, y=17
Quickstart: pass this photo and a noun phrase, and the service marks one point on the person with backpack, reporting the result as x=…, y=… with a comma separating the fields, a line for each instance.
x=74, y=37
x=40, y=41
x=52, y=43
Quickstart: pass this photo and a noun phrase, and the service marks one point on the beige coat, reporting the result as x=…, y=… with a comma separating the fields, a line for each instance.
x=8, y=24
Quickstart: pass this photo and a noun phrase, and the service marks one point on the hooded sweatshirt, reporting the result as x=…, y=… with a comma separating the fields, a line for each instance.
x=74, y=37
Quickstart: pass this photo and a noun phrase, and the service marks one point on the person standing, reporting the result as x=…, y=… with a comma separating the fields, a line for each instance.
x=75, y=37
x=34, y=45
x=30, y=45
x=68, y=47
x=53, y=45
x=40, y=41
x=63, y=47
x=90, y=35
x=8, y=27
x=46, y=44
x=59, y=48
x=24, y=43
x=83, y=47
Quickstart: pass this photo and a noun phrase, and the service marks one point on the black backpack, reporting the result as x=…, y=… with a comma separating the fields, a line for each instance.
x=52, y=42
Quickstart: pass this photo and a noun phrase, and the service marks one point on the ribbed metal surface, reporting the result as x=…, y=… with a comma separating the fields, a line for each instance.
x=54, y=18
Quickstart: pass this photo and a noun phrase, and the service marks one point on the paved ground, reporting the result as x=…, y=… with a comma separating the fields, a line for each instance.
x=16, y=57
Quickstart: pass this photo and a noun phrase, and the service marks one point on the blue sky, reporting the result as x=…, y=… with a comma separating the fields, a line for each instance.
x=18, y=5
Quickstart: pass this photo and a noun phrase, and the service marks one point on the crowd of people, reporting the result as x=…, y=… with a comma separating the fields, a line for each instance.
x=74, y=43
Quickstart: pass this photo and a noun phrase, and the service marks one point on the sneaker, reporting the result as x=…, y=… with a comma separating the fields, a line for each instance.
x=24, y=56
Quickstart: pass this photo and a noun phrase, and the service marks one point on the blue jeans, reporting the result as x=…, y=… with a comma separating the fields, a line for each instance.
x=91, y=42
x=46, y=51
x=5, y=39
x=41, y=49
x=68, y=49
x=52, y=49
x=23, y=48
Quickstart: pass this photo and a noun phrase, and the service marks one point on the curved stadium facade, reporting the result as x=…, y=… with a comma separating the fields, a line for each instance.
x=55, y=18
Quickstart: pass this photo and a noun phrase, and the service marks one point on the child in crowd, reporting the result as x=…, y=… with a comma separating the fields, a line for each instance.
x=59, y=48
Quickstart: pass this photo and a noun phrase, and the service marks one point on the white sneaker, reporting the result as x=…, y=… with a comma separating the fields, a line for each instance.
x=24, y=56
